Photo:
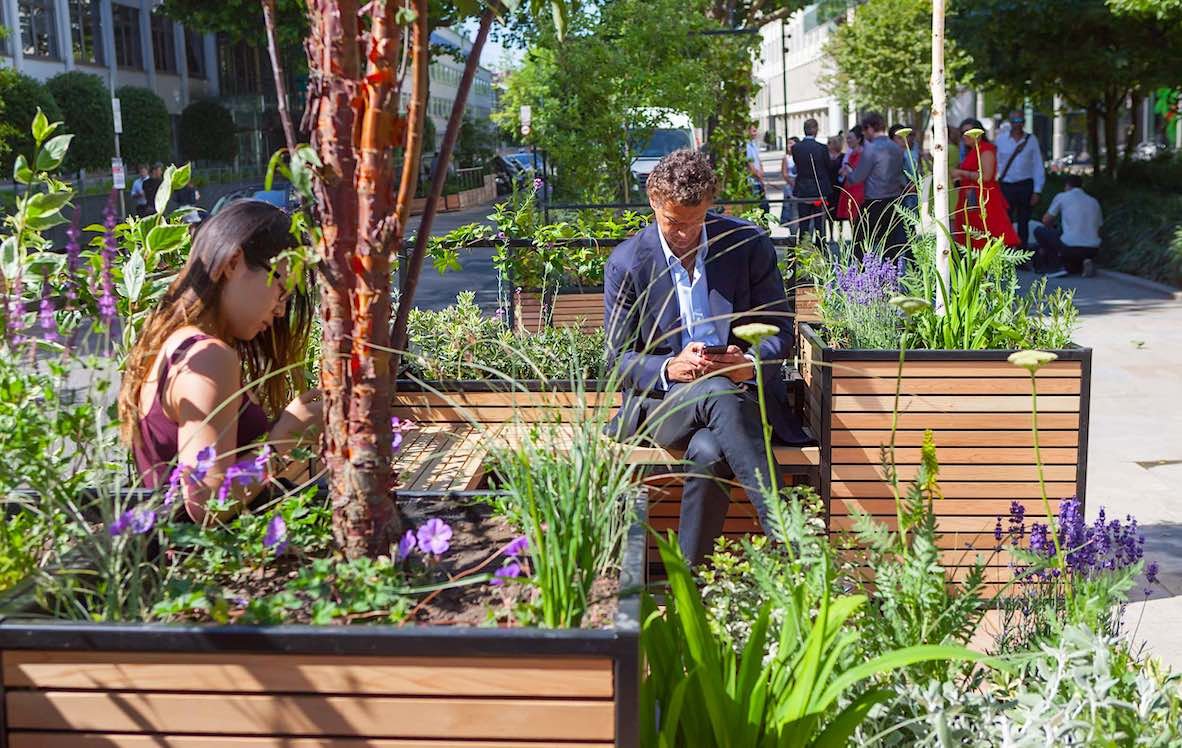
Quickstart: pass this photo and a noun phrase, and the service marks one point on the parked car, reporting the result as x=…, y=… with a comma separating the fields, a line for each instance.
x=674, y=131
x=282, y=196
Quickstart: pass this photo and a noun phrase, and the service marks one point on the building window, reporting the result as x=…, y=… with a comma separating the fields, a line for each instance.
x=38, y=37
x=195, y=53
x=85, y=32
x=128, y=53
x=163, y=44
x=240, y=69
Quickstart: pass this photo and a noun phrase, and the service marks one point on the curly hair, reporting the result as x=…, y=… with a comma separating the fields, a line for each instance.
x=684, y=177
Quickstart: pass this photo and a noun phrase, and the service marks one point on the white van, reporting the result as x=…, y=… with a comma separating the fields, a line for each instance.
x=672, y=131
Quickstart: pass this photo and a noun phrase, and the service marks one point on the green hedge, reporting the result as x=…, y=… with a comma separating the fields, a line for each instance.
x=207, y=132
x=147, y=128
x=20, y=96
x=86, y=108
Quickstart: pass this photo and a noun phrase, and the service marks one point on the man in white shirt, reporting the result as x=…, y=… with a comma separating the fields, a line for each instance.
x=1080, y=218
x=1020, y=172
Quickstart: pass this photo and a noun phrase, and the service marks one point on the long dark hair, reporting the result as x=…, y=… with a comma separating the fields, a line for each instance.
x=972, y=122
x=262, y=231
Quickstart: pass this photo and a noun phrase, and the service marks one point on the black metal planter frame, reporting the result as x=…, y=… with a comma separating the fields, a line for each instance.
x=621, y=642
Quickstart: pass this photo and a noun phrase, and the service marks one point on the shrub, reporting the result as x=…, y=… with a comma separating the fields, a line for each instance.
x=85, y=104
x=147, y=128
x=20, y=96
x=207, y=132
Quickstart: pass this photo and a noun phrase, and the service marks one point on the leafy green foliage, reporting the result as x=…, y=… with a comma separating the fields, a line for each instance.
x=886, y=53
x=207, y=132
x=146, y=124
x=242, y=20
x=20, y=98
x=85, y=105
x=476, y=143
x=460, y=342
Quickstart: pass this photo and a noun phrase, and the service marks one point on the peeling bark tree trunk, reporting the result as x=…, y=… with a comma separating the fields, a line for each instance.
x=277, y=70
x=438, y=176
x=355, y=128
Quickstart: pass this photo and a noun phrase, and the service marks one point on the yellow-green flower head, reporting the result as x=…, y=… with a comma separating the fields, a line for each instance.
x=910, y=305
x=1032, y=361
x=902, y=132
x=975, y=133
x=756, y=332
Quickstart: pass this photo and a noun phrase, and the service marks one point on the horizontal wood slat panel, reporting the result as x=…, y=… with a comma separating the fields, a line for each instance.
x=956, y=386
x=969, y=528
x=737, y=524
x=325, y=674
x=955, y=403
x=506, y=399
x=951, y=438
x=959, y=455
x=957, y=490
x=122, y=740
x=978, y=540
x=939, y=422
x=966, y=369
x=991, y=508
x=251, y=714
x=908, y=473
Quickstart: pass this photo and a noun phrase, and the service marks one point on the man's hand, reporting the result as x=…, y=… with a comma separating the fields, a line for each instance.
x=736, y=366
x=687, y=365
x=1034, y=198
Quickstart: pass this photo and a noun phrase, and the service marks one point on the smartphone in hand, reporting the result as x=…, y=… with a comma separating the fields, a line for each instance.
x=715, y=350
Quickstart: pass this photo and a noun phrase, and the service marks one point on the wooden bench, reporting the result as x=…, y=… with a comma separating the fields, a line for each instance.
x=582, y=310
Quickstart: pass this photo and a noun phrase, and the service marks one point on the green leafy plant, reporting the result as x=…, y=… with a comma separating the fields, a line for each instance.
x=85, y=104
x=20, y=98
x=207, y=132
x=146, y=119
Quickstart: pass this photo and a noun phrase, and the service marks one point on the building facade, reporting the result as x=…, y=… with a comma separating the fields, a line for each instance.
x=445, y=73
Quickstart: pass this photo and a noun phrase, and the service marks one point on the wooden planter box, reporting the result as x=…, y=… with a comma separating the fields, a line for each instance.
x=978, y=407
x=66, y=685
x=567, y=307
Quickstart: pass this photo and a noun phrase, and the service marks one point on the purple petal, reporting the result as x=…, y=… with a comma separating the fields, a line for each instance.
x=276, y=535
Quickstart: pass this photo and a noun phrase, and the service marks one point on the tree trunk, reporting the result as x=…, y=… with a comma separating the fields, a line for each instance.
x=1111, y=126
x=355, y=128
x=1133, y=138
x=1093, y=126
x=277, y=70
x=940, y=153
x=416, y=110
x=438, y=177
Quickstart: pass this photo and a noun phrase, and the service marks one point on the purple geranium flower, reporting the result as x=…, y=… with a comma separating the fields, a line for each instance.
x=142, y=520
x=516, y=547
x=511, y=570
x=398, y=427
x=246, y=473
x=434, y=537
x=276, y=536
x=406, y=545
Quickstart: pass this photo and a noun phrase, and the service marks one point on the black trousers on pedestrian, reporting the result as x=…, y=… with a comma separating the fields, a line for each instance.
x=1071, y=258
x=812, y=218
x=883, y=227
x=717, y=424
x=1018, y=195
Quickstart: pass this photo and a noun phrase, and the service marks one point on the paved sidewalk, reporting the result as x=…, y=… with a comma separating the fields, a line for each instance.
x=1135, y=435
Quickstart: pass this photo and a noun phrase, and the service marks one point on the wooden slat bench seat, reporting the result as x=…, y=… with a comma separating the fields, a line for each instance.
x=582, y=310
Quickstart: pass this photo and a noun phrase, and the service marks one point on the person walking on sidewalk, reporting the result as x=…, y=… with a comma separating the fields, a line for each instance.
x=1080, y=217
x=755, y=175
x=881, y=168
x=1022, y=175
x=788, y=172
x=812, y=182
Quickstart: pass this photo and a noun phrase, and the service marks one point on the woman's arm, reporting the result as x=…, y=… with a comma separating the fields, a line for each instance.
x=988, y=165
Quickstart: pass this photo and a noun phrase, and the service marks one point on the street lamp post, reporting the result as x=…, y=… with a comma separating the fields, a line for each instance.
x=784, y=36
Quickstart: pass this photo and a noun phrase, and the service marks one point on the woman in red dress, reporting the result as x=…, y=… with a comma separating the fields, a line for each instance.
x=851, y=196
x=980, y=203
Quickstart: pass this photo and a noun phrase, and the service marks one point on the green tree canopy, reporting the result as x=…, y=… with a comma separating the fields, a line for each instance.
x=20, y=96
x=147, y=128
x=886, y=53
x=85, y=103
x=242, y=20
x=207, y=132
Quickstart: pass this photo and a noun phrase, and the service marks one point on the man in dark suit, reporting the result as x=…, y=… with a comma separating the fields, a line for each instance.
x=812, y=181
x=673, y=294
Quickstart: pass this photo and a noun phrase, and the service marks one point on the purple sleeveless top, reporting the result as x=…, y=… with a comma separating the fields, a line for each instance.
x=157, y=447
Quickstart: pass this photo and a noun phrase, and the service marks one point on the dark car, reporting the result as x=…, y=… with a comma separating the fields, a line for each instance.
x=281, y=195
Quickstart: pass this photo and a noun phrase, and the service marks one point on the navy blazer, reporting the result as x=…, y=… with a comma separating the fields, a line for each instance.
x=811, y=158
x=644, y=323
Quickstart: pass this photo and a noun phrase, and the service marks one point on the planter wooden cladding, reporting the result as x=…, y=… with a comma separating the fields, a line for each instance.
x=566, y=308
x=978, y=407
x=71, y=685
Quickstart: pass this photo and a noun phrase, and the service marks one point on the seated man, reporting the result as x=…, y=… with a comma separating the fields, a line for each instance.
x=672, y=294
x=1080, y=216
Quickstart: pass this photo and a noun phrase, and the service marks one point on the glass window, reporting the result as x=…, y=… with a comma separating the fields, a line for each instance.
x=128, y=52
x=38, y=37
x=163, y=44
x=195, y=53
x=85, y=33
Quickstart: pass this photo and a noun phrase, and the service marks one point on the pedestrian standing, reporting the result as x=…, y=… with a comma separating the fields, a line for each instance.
x=788, y=212
x=812, y=182
x=755, y=175
x=151, y=185
x=1076, y=244
x=981, y=209
x=881, y=169
x=138, y=200
x=1021, y=174
x=849, y=207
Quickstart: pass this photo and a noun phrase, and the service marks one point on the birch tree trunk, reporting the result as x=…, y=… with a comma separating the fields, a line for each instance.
x=940, y=152
x=355, y=128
